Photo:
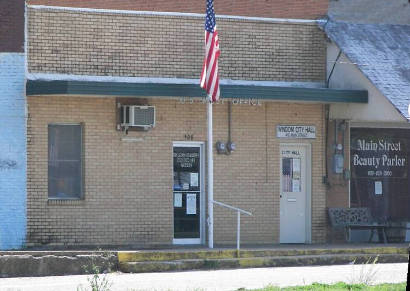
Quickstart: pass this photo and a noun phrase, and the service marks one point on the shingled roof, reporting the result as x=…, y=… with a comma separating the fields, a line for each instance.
x=381, y=52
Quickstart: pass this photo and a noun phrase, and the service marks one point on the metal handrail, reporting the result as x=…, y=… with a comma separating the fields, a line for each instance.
x=238, y=227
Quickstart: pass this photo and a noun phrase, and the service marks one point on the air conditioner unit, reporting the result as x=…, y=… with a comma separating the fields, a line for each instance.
x=138, y=116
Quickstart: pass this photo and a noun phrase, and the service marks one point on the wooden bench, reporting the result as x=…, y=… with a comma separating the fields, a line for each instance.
x=356, y=218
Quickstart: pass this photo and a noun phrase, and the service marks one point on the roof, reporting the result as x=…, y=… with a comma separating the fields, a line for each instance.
x=382, y=53
x=370, y=11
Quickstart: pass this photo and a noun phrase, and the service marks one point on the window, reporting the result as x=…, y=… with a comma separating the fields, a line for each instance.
x=291, y=175
x=380, y=172
x=65, y=169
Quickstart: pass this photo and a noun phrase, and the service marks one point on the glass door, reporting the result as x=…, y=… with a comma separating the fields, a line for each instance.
x=187, y=193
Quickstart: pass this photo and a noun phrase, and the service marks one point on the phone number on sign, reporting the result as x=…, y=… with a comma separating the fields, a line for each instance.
x=380, y=173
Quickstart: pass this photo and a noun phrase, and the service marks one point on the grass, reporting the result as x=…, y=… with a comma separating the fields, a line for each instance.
x=98, y=280
x=336, y=287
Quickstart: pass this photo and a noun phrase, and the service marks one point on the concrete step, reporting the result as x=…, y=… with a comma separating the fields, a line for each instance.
x=254, y=262
x=171, y=255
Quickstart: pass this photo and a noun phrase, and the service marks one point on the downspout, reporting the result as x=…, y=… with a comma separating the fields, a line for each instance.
x=326, y=177
x=229, y=121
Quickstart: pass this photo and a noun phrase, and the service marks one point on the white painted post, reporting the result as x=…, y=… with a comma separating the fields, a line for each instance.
x=210, y=179
x=238, y=236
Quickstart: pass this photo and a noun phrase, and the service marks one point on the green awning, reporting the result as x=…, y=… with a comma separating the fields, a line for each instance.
x=143, y=90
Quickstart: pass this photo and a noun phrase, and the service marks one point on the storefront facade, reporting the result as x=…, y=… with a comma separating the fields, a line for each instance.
x=128, y=181
x=92, y=181
x=372, y=139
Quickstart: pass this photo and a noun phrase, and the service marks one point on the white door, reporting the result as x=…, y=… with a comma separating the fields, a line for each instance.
x=294, y=194
x=188, y=196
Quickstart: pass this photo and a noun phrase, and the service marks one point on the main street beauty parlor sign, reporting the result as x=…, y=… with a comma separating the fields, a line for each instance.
x=376, y=156
x=296, y=131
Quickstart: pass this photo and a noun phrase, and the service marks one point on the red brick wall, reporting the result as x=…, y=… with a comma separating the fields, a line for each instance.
x=11, y=25
x=305, y=9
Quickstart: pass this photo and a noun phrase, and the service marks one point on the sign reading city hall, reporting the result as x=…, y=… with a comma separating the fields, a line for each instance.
x=296, y=131
x=374, y=156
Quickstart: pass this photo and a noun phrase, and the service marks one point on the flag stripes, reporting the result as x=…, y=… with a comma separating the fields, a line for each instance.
x=210, y=75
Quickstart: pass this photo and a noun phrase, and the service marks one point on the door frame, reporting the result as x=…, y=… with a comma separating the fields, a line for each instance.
x=201, y=240
x=308, y=175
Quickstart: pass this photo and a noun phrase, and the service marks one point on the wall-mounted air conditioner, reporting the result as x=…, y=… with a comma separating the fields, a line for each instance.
x=137, y=116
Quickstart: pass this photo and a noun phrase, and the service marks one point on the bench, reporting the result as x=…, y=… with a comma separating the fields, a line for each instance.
x=356, y=218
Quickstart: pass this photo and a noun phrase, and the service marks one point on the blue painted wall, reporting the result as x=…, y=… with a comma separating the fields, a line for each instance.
x=12, y=151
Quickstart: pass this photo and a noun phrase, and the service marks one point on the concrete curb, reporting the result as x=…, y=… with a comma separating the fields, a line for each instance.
x=256, y=262
x=53, y=265
x=57, y=263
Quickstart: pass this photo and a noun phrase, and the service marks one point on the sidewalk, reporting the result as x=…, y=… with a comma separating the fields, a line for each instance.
x=48, y=262
x=219, y=279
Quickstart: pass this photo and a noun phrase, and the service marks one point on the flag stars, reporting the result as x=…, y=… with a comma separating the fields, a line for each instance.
x=210, y=16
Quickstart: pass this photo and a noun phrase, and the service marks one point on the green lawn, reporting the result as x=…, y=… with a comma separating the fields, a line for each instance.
x=337, y=287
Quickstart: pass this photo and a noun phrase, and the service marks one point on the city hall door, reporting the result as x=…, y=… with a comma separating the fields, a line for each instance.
x=295, y=191
x=188, y=196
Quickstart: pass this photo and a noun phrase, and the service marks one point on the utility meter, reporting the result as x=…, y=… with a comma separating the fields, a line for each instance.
x=220, y=147
x=231, y=146
x=338, y=163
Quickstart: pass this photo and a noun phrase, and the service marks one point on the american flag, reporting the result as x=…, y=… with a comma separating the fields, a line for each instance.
x=209, y=75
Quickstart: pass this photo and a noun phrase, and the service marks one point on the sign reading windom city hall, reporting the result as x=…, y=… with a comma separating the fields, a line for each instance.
x=296, y=131
x=378, y=156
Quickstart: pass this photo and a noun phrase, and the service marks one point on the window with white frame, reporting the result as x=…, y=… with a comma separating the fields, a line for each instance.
x=65, y=161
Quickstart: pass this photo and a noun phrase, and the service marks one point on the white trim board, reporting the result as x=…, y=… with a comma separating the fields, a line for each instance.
x=176, y=14
x=381, y=124
x=186, y=241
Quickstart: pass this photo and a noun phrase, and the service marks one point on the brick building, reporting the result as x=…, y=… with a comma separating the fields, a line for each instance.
x=372, y=137
x=94, y=181
x=12, y=126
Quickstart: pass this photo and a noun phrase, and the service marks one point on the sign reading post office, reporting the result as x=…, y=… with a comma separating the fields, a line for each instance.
x=296, y=131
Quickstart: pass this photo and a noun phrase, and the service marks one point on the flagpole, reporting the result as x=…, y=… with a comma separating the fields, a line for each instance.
x=210, y=179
